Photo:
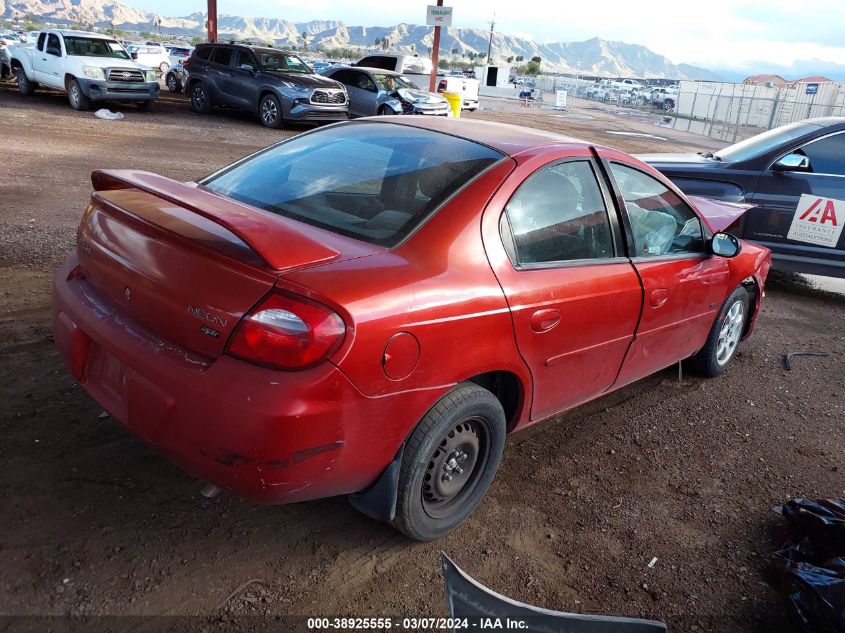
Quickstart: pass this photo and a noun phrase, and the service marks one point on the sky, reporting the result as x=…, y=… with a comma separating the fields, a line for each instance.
x=791, y=36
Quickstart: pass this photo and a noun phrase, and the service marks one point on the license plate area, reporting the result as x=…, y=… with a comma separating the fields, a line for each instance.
x=108, y=376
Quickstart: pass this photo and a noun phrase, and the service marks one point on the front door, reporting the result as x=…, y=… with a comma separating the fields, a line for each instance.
x=684, y=287
x=242, y=85
x=778, y=193
x=574, y=298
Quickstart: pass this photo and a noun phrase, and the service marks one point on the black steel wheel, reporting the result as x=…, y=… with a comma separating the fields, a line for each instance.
x=449, y=462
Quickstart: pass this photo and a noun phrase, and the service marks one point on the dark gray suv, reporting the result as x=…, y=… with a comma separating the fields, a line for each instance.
x=277, y=85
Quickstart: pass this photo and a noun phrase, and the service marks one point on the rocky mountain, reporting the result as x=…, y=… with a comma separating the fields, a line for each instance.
x=592, y=57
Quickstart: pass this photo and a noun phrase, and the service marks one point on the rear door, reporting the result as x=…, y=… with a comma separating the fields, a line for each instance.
x=574, y=297
x=778, y=195
x=242, y=85
x=218, y=74
x=684, y=286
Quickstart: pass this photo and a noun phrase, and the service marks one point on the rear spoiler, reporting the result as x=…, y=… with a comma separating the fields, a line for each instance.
x=719, y=214
x=276, y=241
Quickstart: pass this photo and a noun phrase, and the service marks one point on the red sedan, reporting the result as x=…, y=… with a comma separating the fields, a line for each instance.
x=371, y=307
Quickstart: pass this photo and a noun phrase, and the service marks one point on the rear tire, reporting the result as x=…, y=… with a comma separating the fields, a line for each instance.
x=270, y=111
x=75, y=96
x=386, y=110
x=25, y=86
x=200, y=99
x=449, y=462
x=723, y=341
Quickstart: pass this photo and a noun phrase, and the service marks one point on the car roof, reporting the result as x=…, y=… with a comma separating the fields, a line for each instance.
x=261, y=49
x=506, y=138
x=370, y=69
x=825, y=120
x=99, y=36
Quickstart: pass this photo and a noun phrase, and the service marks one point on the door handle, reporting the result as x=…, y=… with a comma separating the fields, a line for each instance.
x=658, y=297
x=544, y=320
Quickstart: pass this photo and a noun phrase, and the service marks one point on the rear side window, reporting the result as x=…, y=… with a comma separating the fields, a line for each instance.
x=222, y=56
x=323, y=179
x=662, y=223
x=203, y=53
x=378, y=61
x=41, y=38
x=559, y=214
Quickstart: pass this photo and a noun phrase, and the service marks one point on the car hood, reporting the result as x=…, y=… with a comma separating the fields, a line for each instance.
x=109, y=62
x=421, y=97
x=309, y=81
x=719, y=214
x=674, y=159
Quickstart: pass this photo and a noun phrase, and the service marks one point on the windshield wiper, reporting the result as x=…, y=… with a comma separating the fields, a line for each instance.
x=709, y=155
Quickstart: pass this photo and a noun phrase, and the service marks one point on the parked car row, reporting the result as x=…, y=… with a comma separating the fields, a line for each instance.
x=275, y=84
x=628, y=92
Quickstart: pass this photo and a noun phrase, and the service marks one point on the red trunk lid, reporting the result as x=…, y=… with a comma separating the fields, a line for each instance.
x=187, y=263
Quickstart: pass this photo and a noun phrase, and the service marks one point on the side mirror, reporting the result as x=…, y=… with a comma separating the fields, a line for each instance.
x=52, y=50
x=134, y=55
x=248, y=68
x=725, y=245
x=792, y=162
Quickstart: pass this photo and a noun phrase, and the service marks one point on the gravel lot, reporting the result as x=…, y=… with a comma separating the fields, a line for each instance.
x=93, y=522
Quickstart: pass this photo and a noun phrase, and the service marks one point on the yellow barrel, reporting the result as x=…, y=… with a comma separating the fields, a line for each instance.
x=455, y=100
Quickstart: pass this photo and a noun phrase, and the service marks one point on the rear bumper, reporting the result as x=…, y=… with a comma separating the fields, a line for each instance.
x=262, y=434
x=98, y=90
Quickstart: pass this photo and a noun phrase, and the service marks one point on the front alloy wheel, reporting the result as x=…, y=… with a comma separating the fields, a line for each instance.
x=730, y=333
x=270, y=111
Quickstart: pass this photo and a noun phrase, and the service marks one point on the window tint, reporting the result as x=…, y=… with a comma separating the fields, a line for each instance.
x=827, y=155
x=662, y=223
x=53, y=43
x=378, y=61
x=363, y=81
x=41, y=38
x=343, y=76
x=203, y=53
x=558, y=214
x=244, y=57
x=222, y=55
x=321, y=179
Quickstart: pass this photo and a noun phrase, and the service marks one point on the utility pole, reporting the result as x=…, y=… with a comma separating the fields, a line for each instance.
x=490, y=42
x=435, y=52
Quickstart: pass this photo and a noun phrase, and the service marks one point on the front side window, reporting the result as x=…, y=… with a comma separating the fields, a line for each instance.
x=661, y=222
x=321, y=179
x=827, y=155
x=53, y=45
x=282, y=62
x=559, y=214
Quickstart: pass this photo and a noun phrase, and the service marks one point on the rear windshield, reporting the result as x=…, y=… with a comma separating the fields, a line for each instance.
x=762, y=143
x=375, y=182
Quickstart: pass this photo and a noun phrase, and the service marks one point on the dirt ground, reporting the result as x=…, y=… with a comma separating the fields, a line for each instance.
x=93, y=522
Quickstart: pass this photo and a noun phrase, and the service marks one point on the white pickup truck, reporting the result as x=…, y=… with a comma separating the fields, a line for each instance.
x=88, y=66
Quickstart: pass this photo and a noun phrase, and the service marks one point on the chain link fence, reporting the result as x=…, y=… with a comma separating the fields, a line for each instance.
x=731, y=112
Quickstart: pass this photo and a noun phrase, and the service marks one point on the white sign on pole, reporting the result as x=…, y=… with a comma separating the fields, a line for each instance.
x=438, y=16
x=817, y=220
x=560, y=99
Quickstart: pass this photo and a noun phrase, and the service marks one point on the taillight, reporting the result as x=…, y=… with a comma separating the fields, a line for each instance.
x=287, y=332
